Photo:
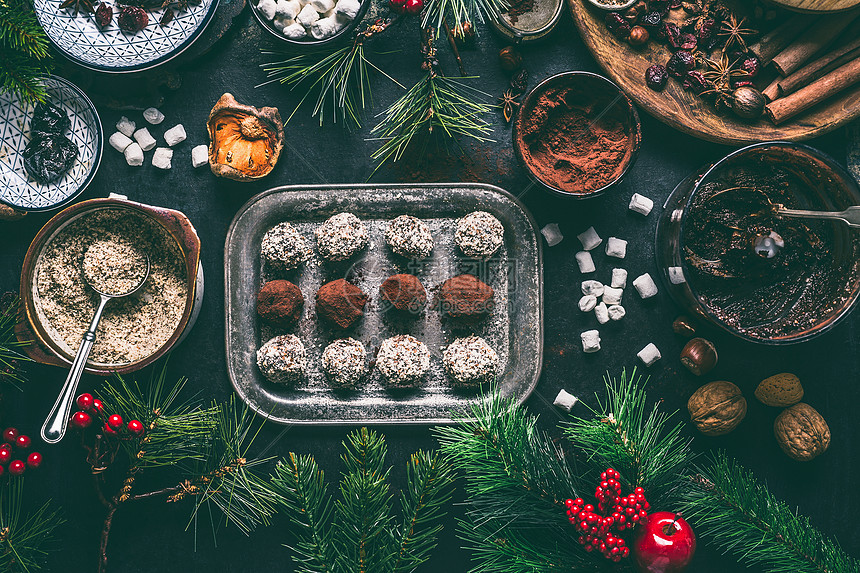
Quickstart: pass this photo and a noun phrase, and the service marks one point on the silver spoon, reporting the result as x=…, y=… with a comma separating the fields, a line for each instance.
x=850, y=216
x=55, y=426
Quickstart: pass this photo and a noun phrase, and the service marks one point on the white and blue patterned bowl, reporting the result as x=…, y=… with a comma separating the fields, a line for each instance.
x=17, y=188
x=110, y=49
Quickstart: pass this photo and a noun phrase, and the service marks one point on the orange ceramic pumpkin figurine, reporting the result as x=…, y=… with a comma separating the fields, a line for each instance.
x=244, y=142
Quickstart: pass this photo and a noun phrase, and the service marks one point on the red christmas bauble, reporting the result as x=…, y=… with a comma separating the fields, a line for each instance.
x=16, y=467
x=665, y=544
x=85, y=401
x=10, y=435
x=414, y=7
x=115, y=421
x=23, y=442
x=135, y=427
x=81, y=420
x=34, y=460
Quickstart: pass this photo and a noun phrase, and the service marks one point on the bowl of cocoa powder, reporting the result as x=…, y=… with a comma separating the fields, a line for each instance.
x=577, y=134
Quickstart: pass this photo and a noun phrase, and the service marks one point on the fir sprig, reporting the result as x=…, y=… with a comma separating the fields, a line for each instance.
x=734, y=511
x=10, y=355
x=438, y=13
x=25, y=539
x=24, y=51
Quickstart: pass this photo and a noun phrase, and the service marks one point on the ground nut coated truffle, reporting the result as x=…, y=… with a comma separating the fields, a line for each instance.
x=403, y=361
x=282, y=360
x=409, y=237
x=341, y=236
x=479, y=235
x=470, y=361
x=284, y=248
x=345, y=362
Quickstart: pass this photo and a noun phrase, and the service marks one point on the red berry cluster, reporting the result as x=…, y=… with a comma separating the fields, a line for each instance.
x=13, y=439
x=113, y=424
x=601, y=530
x=411, y=7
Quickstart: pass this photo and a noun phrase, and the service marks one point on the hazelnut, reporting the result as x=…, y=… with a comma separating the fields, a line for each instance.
x=699, y=356
x=684, y=326
x=510, y=59
x=638, y=36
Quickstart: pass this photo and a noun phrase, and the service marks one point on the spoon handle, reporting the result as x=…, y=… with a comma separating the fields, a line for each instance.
x=847, y=217
x=55, y=426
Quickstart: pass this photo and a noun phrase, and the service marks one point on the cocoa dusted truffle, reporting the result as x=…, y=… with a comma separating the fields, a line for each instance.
x=341, y=303
x=479, y=235
x=282, y=360
x=345, y=362
x=280, y=303
x=284, y=248
x=340, y=237
x=465, y=296
x=409, y=237
x=404, y=292
x=403, y=361
x=470, y=361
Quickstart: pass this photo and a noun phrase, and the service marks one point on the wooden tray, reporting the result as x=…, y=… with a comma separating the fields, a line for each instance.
x=818, y=6
x=684, y=110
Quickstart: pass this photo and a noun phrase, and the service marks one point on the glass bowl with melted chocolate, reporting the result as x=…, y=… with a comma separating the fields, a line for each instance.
x=763, y=277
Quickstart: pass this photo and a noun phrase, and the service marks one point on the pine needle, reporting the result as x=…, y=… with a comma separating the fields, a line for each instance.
x=438, y=12
x=25, y=539
x=10, y=356
x=24, y=51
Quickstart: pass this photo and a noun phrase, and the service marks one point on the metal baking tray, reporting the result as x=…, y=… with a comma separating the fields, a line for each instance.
x=514, y=329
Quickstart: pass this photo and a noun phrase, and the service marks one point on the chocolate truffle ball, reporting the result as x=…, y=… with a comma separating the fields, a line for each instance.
x=404, y=292
x=403, y=361
x=464, y=296
x=470, y=361
x=280, y=303
x=340, y=237
x=282, y=359
x=341, y=303
x=345, y=362
x=479, y=235
x=409, y=237
x=284, y=248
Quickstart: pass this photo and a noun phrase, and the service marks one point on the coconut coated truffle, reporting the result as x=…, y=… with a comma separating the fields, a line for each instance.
x=282, y=360
x=340, y=237
x=280, y=303
x=470, y=361
x=479, y=235
x=403, y=361
x=409, y=237
x=345, y=362
x=284, y=248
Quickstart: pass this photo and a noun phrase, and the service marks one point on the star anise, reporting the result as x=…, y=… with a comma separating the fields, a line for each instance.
x=735, y=33
x=508, y=102
x=79, y=6
x=721, y=75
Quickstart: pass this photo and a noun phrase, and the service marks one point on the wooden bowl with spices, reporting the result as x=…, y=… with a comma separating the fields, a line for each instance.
x=577, y=134
x=57, y=304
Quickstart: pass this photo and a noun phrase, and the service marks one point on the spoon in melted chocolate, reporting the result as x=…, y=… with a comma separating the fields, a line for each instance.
x=850, y=216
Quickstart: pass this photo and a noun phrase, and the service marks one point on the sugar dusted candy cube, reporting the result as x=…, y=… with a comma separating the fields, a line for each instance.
x=153, y=116
x=616, y=312
x=161, y=158
x=589, y=239
x=565, y=401
x=295, y=31
x=348, y=8
x=601, y=313
x=133, y=155
x=287, y=9
x=616, y=247
x=676, y=275
x=641, y=204
x=619, y=278
x=587, y=303
x=267, y=8
x=119, y=141
x=645, y=286
x=144, y=139
x=649, y=355
x=199, y=156
x=612, y=295
x=592, y=287
x=552, y=234
x=590, y=341
x=324, y=28
x=322, y=6
x=280, y=23
x=125, y=126
x=585, y=262
x=174, y=135
x=307, y=16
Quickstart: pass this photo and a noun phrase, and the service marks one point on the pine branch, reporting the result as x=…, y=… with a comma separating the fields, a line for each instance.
x=20, y=30
x=734, y=511
x=10, y=356
x=24, y=539
x=644, y=444
x=438, y=13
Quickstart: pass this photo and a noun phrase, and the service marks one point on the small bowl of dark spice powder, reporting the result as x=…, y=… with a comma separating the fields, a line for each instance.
x=577, y=134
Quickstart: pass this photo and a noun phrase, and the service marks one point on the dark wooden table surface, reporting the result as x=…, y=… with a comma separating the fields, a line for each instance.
x=152, y=536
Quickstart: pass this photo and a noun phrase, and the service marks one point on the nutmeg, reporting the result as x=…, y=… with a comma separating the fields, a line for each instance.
x=748, y=102
x=684, y=326
x=638, y=36
x=717, y=408
x=510, y=59
x=802, y=432
x=699, y=356
x=780, y=390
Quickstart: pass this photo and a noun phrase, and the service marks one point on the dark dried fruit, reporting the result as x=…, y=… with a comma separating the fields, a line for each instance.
x=48, y=120
x=661, y=6
x=47, y=158
x=751, y=65
x=104, y=15
x=632, y=15
x=638, y=36
x=680, y=63
x=656, y=77
x=670, y=32
x=520, y=81
x=674, y=4
x=613, y=20
x=132, y=19
x=622, y=32
x=687, y=42
x=696, y=82
x=652, y=19
x=742, y=83
x=166, y=18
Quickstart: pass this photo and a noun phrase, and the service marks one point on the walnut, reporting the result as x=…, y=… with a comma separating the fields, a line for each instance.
x=717, y=408
x=801, y=432
x=780, y=390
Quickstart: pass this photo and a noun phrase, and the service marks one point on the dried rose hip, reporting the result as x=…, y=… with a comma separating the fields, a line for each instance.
x=741, y=83
x=687, y=42
x=656, y=77
x=751, y=65
x=132, y=19
x=695, y=82
x=670, y=32
x=680, y=63
x=104, y=14
x=651, y=19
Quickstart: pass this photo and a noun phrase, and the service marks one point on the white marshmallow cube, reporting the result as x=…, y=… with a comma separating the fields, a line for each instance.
x=347, y=8
x=601, y=313
x=175, y=134
x=287, y=9
x=295, y=31
x=589, y=239
x=144, y=139
x=200, y=156
x=307, y=16
x=590, y=341
x=585, y=262
x=612, y=296
x=641, y=204
x=153, y=116
x=551, y=233
x=322, y=5
x=592, y=287
x=587, y=303
x=133, y=155
x=676, y=275
x=645, y=286
x=267, y=8
x=324, y=28
x=619, y=278
x=616, y=312
x=280, y=23
x=565, y=401
x=119, y=141
x=125, y=126
x=616, y=248
x=161, y=158
x=649, y=355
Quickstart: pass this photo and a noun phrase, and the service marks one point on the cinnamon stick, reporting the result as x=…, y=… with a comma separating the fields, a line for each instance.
x=772, y=92
x=780, y=37
x=819, y=67
x=811, y=42
x=839, y=79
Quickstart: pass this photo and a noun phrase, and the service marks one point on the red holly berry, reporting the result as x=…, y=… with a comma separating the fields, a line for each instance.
x=34, y=460
x=98, y=407
x=16, y=467
x=115, y=421
x=23, y=442
x=85, y=401
x=414, y=7
x=5, y=455
x=397, y=6
x=81, y=420
x=10, y=435
x=135, y=427
x=109, y=431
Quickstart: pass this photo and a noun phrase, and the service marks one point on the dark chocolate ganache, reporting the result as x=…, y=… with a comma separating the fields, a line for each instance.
x=763, y=275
